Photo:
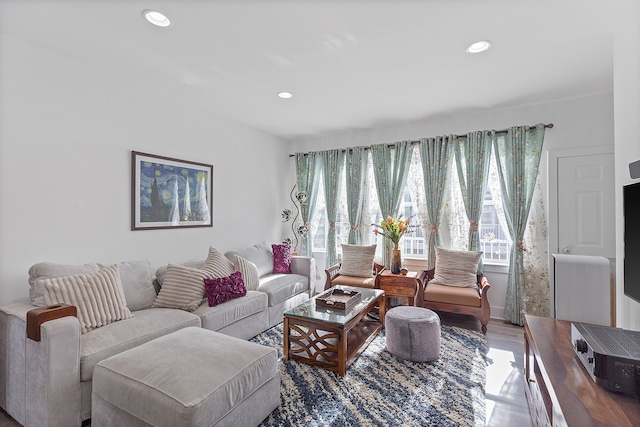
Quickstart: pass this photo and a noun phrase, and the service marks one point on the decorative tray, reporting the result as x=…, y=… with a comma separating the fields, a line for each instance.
x=339, y=298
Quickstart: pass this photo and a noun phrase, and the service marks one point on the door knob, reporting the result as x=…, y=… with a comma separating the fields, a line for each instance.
x=566, y=250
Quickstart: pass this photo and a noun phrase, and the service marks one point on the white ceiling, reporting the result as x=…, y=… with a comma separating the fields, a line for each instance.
x=350, y=64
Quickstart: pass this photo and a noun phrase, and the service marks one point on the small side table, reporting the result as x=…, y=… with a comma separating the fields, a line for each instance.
x=399, y=286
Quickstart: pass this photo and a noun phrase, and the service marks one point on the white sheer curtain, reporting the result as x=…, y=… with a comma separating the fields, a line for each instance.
x=456, y=217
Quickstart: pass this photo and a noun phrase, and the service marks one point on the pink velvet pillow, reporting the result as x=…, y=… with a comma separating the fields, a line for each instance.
x=224, y=289
x=281, y=259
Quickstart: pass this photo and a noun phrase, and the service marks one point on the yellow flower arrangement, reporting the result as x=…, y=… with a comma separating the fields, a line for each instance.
x=392, y=229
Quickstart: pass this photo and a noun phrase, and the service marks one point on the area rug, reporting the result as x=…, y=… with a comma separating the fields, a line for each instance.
x=382, y=390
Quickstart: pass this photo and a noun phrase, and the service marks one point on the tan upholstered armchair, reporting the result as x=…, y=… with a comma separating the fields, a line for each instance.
x=452, y=299
x=335, y=278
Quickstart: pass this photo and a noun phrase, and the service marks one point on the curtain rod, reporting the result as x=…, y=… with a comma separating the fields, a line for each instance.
x=547, y=126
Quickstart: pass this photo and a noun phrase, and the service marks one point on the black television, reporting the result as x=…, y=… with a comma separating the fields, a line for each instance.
x=631, y=202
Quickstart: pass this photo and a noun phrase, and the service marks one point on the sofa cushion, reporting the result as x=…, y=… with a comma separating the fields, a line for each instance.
x=161, y=272
x=97, y=296
x=456, y=268
x=281, y=259
x=215, y=318
x=137, y=284
x=49, y=270
x=259, y=254
x=360, y=282
x=219, y=264
x=222, y=289
x=249, y=273
x=281, y=287
x=357, y=260
x=135, y=277
x=452, y=295
x=117, y=337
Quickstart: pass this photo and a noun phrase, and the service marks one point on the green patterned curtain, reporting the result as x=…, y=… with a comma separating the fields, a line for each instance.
x=473, y=154
x=356, y=173
x=332, y=168
x=390, y=168
x=435, y=155
x=307, y=182
x=518, y=158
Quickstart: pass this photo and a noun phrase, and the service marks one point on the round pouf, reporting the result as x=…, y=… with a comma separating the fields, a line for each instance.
x=413, y=333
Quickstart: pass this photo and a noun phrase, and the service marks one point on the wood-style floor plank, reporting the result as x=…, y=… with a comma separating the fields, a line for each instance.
x=506, y=402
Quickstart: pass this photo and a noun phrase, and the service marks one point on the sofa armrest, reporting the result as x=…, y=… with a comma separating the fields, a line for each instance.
x=53, y=381
x=40, y=382
x=13, y=321
x=305, y=266
x=37, y=316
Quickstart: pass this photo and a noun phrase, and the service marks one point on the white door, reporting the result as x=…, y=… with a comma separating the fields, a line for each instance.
x=586, y=216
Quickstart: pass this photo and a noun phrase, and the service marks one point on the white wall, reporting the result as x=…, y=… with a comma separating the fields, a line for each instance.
x=627, y=142
x=579, y=122
x=66, y=135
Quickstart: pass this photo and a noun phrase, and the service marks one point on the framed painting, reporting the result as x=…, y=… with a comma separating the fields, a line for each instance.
x=170, y=193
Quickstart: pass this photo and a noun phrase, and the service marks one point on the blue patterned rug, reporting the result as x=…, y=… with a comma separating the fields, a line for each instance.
x=382, y=390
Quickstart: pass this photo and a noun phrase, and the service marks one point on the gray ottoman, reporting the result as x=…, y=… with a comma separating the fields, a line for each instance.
x=413, y=333
x=191, y=377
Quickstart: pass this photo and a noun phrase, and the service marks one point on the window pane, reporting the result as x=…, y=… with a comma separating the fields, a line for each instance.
x=494, y=242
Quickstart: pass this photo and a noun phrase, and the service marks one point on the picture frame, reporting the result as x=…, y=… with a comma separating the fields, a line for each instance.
x=170, y=193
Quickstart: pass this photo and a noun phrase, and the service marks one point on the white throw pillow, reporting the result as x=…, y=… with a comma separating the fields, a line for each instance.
x=456, y=268
x=98, y=296
x=249, y=273
x=357, y=260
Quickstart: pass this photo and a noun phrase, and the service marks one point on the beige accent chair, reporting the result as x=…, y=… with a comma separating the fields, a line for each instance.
x=335, y=278
x=452, y=299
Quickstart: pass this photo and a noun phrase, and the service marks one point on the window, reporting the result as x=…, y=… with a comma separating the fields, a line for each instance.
x=494, y=242
x=494, y=238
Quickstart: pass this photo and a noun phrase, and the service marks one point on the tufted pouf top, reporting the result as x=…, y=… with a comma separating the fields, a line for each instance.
x=413, y=333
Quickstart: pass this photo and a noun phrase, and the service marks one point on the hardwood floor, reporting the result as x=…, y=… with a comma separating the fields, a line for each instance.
x=506, y=403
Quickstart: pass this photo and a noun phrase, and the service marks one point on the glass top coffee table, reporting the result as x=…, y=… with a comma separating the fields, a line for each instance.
x=331, y=337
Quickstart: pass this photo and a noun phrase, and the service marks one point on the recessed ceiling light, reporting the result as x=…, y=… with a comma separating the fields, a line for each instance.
x=479, y=46
x=285, y=95
x=156, y=18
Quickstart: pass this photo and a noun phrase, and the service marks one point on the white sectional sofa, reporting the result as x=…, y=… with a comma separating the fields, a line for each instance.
x=48, y=382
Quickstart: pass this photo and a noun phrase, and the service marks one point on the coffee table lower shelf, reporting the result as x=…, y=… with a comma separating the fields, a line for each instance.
x=327, y=345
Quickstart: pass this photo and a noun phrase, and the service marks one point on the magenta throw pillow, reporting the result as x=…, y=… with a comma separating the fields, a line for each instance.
x=224, y=289
x=281, y=259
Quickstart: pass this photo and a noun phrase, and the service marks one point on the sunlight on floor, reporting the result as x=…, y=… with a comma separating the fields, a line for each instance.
x=500, y=368
x=501, y=365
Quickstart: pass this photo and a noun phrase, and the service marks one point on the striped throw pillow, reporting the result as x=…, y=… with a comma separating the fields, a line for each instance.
x=183, y=287
x=98, y=296
x=249, y=273
x=357, y=260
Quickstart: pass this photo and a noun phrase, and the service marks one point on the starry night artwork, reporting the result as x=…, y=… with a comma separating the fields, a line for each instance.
x=168, y=193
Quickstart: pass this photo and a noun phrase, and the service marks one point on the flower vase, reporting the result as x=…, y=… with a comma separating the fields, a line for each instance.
x=396, y=260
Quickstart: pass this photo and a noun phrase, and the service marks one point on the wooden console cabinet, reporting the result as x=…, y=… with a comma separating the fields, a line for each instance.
x=559, y=390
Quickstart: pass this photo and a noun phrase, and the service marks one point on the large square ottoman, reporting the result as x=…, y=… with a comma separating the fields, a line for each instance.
x=191, y=377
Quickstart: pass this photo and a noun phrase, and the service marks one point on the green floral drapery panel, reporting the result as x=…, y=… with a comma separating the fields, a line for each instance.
x=435, y=155
x=307, y=182
x=356, y=173
x=390, y=167
x=518, y=158
x=332, y=167
x=473, y=154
